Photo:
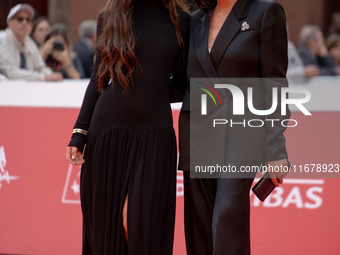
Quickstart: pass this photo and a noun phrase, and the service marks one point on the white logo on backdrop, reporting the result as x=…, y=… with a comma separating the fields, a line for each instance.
x=295, y=193
x=72, y=186
x=4, y=175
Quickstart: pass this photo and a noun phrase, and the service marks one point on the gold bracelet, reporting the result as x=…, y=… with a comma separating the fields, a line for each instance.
x=78, y=130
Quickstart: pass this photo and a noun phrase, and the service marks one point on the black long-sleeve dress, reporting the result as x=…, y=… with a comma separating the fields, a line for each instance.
x=131, y=144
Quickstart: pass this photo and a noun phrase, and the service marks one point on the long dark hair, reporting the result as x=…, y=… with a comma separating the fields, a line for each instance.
x=203, y=4
x=117, y=41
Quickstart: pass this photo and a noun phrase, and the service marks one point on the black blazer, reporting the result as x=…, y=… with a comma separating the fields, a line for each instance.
x=260, y=51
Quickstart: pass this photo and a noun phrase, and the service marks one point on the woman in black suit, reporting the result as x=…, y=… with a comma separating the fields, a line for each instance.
x=247, y=39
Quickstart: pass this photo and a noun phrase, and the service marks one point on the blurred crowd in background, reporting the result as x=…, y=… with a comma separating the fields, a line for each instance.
x=31, y=48
x=315, y=55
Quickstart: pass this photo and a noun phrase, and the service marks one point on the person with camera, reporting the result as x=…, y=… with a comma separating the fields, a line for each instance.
x=58, y=54
x=19, y=55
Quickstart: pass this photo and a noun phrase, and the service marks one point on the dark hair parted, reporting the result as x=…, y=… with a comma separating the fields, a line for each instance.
x=58, y=29
x=37, y=22
x=116, y=42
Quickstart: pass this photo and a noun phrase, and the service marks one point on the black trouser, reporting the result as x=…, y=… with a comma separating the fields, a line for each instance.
x=217, y=213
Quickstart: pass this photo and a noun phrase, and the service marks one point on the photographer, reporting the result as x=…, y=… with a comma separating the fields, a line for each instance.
x=58, y=55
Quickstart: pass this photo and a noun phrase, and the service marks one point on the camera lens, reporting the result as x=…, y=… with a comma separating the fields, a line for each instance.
x=58, y=45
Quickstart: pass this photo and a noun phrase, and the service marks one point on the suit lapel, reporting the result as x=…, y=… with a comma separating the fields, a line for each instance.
x=210, y=62
x=201, y=45
x=228, y=31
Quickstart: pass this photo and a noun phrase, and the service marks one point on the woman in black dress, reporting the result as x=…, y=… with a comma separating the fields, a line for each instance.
x=126, y=122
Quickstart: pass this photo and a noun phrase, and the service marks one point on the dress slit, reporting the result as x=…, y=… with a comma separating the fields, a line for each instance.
x=117, y=164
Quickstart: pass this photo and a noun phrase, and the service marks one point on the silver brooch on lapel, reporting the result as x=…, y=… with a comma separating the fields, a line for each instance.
x=245, y=26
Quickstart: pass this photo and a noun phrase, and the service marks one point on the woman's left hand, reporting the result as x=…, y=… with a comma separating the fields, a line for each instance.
x=275, y=176
x=64, y=58
x=74, y=156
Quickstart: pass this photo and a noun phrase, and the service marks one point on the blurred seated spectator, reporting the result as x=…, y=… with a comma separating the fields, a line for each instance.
x=334, y=27
x=86, y=46
x=39, y=29
x=19, y=55
x=296, y=67
x=313, y=51
x=58, y=55
x=333, y=46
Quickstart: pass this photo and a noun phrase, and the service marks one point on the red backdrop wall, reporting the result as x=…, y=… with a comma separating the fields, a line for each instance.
x=39, y=191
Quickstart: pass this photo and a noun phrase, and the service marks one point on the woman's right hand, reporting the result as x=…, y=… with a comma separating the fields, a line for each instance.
x=74, y=156
x=47, y=48
x=276, y=176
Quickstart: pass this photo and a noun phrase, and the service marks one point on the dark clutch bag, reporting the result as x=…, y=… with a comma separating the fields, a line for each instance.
x=264, y=186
